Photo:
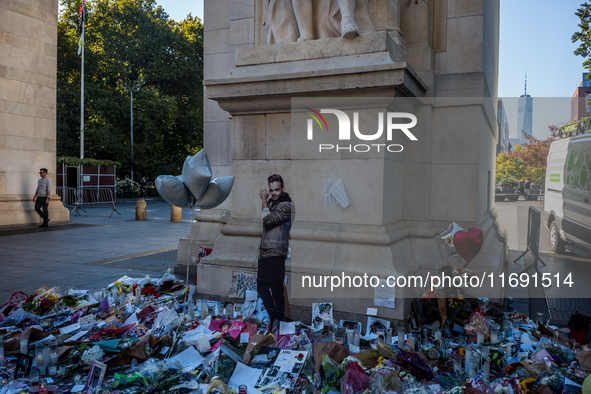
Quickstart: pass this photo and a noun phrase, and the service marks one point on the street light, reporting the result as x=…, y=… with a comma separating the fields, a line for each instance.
x=131, y=89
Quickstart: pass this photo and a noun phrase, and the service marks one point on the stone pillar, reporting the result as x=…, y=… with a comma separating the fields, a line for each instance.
x=450, y=52
x=28, y=61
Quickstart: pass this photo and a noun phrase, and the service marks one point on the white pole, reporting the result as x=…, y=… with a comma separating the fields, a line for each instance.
x=131, y=90
x=82, y=100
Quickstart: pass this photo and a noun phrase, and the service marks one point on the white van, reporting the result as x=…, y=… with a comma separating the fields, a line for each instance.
x=567, y=211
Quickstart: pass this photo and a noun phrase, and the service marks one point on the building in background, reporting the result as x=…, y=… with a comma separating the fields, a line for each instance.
x=525, y=107
x=502, y=129
x=579, y=106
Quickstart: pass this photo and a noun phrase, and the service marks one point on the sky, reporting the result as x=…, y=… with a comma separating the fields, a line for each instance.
x=535, y=37
x=179, y=9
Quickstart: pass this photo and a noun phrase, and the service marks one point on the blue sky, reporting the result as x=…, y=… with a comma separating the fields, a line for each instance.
x=536, y=37
x=178, y=9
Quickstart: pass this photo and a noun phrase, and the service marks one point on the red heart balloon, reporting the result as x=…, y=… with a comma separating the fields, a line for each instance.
x=468, y=243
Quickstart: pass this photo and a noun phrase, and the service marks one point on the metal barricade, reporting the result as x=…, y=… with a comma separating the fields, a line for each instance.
x=92, y=197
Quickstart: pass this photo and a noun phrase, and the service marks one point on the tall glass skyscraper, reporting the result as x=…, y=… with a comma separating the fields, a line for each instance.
x=525, y=108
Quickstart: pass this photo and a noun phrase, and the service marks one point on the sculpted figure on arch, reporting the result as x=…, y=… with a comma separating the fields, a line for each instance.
x=286, y=21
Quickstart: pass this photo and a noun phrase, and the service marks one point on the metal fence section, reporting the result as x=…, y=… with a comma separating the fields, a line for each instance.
x=82, y=197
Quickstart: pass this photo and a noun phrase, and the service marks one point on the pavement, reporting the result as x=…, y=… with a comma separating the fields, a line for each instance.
x=92, y=251
x=555, y=302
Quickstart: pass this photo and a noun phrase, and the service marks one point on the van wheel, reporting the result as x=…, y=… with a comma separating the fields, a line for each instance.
x=556, y=243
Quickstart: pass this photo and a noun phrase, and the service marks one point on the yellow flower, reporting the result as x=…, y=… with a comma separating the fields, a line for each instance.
x=380, y=362
x=462, y=351
x=526, y=382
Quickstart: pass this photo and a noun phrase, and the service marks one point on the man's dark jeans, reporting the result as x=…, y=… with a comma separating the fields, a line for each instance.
x=270, y=277
x=41, y=204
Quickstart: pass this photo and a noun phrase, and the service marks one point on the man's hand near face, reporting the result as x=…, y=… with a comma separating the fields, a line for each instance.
x=264, y=195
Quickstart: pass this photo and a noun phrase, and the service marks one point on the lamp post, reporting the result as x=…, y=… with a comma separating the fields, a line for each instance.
x=133, y=88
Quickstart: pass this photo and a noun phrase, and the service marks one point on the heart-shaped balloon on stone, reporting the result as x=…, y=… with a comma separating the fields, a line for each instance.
x=173, y=190
x=468, y=243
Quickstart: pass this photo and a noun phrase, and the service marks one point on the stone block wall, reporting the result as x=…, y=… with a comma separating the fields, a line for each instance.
x=28, y=69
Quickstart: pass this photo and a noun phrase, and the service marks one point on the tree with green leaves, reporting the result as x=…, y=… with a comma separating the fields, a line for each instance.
x=130, y=42
x=527, y=161
x=584, y=35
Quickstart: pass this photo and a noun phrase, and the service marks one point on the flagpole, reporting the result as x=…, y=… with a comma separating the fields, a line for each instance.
x=82, y=99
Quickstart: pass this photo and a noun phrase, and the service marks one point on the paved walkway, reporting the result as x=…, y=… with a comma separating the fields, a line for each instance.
x=91, y=251
x=561, y=300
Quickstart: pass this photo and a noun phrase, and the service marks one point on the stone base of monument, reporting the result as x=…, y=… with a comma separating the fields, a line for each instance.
x=202, y=234
x=399, y=202
x=18, y=210
x=321, y=251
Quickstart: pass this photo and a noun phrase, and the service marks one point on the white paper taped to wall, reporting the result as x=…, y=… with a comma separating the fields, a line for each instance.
x=335, y=193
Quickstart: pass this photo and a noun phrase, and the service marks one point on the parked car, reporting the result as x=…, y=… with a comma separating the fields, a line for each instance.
x=567, y=211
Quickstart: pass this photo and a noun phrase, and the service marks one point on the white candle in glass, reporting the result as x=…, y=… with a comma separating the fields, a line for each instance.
x=39, y=360
x=24, y=345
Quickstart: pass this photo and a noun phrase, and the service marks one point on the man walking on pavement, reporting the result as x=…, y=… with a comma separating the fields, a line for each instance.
x=527, y=186
x=43, y=192
x=278, y=215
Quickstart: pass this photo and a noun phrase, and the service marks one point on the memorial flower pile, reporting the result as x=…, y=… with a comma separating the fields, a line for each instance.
x=163, y=339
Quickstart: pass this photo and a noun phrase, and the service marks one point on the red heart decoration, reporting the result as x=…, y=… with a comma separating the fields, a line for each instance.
x=468, y=243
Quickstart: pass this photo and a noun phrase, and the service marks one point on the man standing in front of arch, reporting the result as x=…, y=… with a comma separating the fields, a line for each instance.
x=42, y=195
x=278, y=215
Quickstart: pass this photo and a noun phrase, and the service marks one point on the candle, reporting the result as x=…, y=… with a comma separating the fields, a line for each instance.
x=486, y=369
x=411, y=342
x=437, y=335
x=480, y=336
x=46, y=353
x=53, y=357
x=138, y=295
x=203, y=310
x=494, y=334
x=122, y=298
x=114, y=293
x=401, y=332
x=39, y=360
x=191, y=309
x=24, y=345
x=468, y=357
x=1, y=352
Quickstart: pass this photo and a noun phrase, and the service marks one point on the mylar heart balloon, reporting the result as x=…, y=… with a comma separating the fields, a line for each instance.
x=197, y=173
x=468, y=243
x=218, y=190
x=173, y=190
x=446, y=240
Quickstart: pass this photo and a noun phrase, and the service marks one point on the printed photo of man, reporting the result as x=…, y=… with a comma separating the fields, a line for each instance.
x=278, y=213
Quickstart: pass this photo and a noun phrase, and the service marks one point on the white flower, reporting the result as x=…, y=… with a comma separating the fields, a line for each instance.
x=91, y=354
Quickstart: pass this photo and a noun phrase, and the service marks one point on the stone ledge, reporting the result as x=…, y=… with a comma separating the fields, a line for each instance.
x=322, y=49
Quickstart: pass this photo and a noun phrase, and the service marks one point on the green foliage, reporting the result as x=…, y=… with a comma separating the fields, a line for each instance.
x=74, y=161
x=527, y=161
x=584, y=35
x=129, y=42
x=509, y=169
x=126, y=188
